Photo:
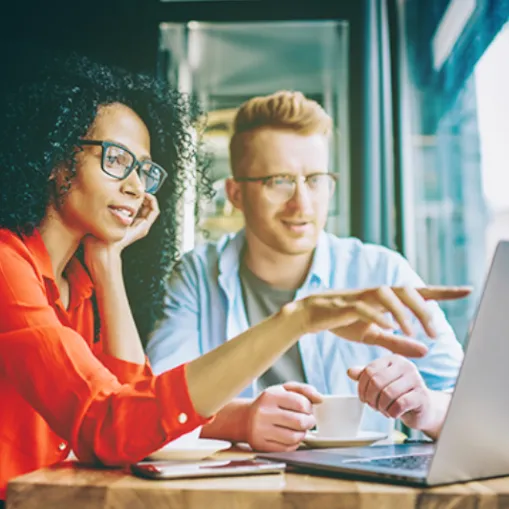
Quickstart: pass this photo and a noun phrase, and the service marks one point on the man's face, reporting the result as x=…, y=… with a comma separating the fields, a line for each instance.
x=289, y=225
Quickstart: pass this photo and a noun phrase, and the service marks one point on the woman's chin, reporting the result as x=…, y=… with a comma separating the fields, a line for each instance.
x=116, y=236
x=111, y=235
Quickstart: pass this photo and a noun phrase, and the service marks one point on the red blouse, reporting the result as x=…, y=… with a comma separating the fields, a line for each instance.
x=58, y=390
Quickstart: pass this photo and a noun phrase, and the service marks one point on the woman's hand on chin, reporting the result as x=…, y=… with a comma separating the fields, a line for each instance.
x=148, y=213
x=101, y=255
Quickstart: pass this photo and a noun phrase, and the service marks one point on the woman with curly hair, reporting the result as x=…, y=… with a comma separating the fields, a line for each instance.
x=84, y=252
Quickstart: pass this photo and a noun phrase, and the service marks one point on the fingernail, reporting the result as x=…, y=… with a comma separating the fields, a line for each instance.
x=354, y=373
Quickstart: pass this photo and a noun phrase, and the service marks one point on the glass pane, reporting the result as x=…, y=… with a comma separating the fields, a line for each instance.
x=224, y=64
x=455, y=153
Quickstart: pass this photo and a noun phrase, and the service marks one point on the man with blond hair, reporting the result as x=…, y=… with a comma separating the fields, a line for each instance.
x=281, y=183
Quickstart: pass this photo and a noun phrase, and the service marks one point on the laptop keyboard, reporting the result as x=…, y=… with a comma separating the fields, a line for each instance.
x=407, y=462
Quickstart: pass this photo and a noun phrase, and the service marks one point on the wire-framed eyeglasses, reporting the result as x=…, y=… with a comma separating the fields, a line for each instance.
x=281, y=187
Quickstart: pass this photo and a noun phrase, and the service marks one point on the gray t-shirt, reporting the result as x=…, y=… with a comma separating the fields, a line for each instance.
x=260, y=301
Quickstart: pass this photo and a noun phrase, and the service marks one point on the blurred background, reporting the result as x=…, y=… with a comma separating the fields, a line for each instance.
x=418, y=90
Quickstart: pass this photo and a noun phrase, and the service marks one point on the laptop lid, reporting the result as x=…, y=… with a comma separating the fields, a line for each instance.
x=474, y=442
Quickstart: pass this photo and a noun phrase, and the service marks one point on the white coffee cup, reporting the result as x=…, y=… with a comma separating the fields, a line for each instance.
x=338, y=416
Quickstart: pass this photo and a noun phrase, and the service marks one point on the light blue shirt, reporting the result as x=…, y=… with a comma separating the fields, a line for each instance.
x=204, y=308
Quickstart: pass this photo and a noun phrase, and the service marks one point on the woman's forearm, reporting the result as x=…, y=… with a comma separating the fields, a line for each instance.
x=220, y=375
x=119, y=333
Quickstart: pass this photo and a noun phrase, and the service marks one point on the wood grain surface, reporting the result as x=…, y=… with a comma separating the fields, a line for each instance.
x=71, y=486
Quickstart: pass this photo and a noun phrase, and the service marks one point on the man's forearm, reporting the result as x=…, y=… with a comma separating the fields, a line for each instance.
x=230, y=423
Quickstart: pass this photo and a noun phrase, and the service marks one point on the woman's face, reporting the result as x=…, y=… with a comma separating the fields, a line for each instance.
x=98, y=204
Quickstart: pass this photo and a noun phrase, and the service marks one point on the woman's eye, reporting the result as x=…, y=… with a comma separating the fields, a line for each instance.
x=112, y=159
x=116, y=160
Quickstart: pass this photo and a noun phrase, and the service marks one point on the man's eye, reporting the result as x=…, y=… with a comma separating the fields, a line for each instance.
x=280, y=181
x=314, y=180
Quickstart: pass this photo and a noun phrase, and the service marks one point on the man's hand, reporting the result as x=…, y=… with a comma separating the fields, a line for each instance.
x=367, y=315
x=393, y=386
x=280, y=416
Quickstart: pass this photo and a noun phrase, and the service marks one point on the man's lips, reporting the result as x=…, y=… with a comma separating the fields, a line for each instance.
x=298, y=223
x=296, y=226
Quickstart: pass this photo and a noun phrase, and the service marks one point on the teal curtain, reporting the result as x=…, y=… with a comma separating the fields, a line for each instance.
x=373, y=145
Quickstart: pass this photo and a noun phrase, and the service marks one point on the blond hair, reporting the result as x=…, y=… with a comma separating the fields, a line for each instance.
x=281, y=110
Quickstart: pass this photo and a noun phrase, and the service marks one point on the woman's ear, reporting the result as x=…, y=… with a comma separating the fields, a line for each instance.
x=60, y=180
x=58, y=171
x=234, y=193
x=64, y=170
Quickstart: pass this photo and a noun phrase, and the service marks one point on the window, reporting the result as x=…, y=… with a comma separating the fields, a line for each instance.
x=454, y=107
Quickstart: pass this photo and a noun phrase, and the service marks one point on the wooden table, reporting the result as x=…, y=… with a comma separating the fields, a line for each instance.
x=70, y=486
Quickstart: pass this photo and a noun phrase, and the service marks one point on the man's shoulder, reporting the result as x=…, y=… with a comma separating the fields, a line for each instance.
x=207, y=256
x=355, y=249
x=210, y=250
x=354, y=262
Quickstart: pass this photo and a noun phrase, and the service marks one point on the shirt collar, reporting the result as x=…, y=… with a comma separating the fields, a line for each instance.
x=79, y=279
x=231, y=250
x=37, y=248
x=321, y=264
x=77, y=275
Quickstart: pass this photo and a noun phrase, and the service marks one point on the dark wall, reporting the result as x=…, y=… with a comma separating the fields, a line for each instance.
x=121, y=33
x=125, y=32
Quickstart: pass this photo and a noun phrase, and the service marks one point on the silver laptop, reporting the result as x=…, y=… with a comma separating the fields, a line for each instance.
x=474, y=442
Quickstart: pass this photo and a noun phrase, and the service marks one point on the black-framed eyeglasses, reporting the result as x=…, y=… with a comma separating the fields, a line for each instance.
x=281, y=187
x=119, y=162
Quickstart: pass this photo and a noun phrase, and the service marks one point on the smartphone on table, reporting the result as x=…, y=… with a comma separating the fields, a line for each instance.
x=165, y=470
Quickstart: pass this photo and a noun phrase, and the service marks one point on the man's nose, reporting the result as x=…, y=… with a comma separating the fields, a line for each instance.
x=302, y=198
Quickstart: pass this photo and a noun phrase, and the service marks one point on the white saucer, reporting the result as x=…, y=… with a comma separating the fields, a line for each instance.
x=362, y=438
x=202, y=448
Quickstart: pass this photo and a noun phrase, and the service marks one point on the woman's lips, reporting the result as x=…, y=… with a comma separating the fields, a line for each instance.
x=123, y=214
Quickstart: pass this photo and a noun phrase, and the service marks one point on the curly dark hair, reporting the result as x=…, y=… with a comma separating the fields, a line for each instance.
x=51, y=107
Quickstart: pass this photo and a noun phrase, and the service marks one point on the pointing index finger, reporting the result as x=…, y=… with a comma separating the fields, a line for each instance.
x=439, y=292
